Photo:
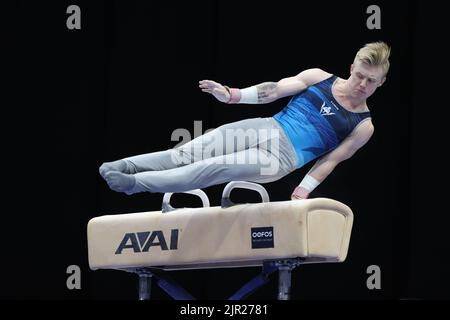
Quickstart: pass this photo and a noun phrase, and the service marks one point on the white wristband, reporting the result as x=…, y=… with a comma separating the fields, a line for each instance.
x=249, y=95
x=309, y=183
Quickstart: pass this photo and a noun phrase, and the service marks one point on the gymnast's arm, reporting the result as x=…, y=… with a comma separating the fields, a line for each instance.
x=265, y=92
x=326, y=164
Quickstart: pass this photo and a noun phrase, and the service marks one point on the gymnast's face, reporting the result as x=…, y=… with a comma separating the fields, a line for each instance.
x=364, y=79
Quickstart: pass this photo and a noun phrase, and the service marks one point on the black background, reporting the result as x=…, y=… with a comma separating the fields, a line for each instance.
x=121, y=85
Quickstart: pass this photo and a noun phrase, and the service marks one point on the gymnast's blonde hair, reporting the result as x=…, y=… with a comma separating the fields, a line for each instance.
x=375, y=54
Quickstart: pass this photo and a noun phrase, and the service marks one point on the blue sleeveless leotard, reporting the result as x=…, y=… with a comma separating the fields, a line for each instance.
x=315, y=122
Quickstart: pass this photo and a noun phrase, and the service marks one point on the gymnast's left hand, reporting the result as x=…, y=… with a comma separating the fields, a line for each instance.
x=300, y=193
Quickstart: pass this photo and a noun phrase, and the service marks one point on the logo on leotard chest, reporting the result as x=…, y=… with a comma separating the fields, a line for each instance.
x=325, y=110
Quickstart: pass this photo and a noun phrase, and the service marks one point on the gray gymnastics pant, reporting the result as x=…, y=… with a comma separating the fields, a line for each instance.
x=254, y=149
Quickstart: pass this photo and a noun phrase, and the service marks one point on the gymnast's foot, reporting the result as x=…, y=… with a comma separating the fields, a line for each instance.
x=119, y=165
x=120, y=182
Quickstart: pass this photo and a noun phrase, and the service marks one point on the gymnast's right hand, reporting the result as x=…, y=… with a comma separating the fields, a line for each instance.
x=216, y=89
